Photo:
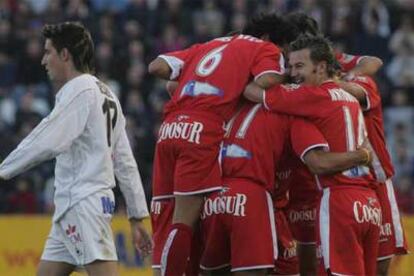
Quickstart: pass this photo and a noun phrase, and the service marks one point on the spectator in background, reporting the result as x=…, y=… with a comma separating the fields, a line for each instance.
x=401, y=68
x=24, y=200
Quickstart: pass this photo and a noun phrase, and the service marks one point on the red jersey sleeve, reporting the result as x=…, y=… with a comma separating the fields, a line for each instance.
x=269, y=59
x=347, y=61
x=177, y=59
x=305, y=136
x=371, y=91
x=298, y=100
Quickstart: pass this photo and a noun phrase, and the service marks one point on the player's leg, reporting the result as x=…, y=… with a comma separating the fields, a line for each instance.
x=307, y=259
x=97, y=268
x=383, y=266
x=177, y=247
x=56, y=259
x=52, y=268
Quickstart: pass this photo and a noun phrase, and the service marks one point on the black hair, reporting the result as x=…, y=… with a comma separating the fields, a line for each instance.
x=320, y=50
x=279, y=30
x=76, y=39
x=304, y=23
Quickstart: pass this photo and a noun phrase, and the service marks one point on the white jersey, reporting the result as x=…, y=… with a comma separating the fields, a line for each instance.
x=86, y=133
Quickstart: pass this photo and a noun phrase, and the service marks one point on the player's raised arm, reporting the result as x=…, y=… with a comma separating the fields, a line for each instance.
x=52, y=136
x=160, y=68
x=353, y=66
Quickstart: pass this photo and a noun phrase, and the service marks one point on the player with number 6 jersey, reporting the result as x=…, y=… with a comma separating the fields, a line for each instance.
x=211, y=78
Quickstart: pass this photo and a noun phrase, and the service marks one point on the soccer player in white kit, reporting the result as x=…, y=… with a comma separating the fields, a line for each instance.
x=86, y=134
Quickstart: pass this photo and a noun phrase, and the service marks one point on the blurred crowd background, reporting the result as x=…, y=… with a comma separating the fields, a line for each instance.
x=129, y=33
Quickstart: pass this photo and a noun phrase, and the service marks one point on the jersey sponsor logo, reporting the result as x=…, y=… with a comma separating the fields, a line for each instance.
x=235, y=151
x=338, y=94
x=108, y=205
x=155, y=207
x=367, y=213
x=386, y=230
x=283, y=175
x=302, y=215
x=232, y=205
x=195, y=88
x=190, y=132
x=290, y=251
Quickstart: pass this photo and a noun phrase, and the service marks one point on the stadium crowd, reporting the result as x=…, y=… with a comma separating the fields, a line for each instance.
x=130, y=33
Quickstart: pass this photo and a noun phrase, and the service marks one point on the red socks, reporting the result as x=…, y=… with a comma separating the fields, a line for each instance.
x=176, y=250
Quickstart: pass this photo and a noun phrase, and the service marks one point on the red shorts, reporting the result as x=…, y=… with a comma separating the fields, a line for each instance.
x=301, y=216
x=287, y=262
x=349, y=225
x=239, y=228
x=187, y=155
x=392, y=239
x=161, y=218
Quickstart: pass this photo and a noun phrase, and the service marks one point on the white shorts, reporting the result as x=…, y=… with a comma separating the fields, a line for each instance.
x=84, y=233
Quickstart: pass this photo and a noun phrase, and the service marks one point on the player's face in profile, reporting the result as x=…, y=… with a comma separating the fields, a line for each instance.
x=52, y=61
x=301, y=67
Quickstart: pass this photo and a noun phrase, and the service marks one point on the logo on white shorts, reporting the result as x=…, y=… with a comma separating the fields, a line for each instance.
x=234, y=205
x=367, y=213
x=190, y=132
x=72, y=234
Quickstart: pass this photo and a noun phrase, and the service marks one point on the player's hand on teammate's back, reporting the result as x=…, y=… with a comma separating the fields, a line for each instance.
x=140, y=237
x=366, y=146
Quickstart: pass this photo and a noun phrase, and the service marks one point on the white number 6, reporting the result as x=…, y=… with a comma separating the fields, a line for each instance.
x=210, y=62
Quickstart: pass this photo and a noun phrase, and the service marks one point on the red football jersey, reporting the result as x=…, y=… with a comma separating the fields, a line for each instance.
x=212, y=75
x=335, y=113
x=382, y=167
x=347, y=61
x=255, y=141
x=294, y=179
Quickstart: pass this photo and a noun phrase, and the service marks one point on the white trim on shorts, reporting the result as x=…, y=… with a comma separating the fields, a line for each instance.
x=214, y=267
x=156, y=266
x=340, y=274
x=252, y=267
x=200, y=191
x=324, y=226
x=385, y=257
x=306, y=243
x=166, y=250
x=395, y=215
x=155, y=198
x=272, y=225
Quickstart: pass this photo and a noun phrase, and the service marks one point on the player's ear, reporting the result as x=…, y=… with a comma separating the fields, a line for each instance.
x=65, y=54
x=322, y=66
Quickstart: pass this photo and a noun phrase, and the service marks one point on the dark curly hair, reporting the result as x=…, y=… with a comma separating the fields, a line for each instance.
x=304, y=23
x=320, y=50
x=76, y=39
x=280, y=31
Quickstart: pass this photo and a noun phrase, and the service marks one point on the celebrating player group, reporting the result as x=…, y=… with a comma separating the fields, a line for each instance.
x=258, y=169
x=262, y=170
